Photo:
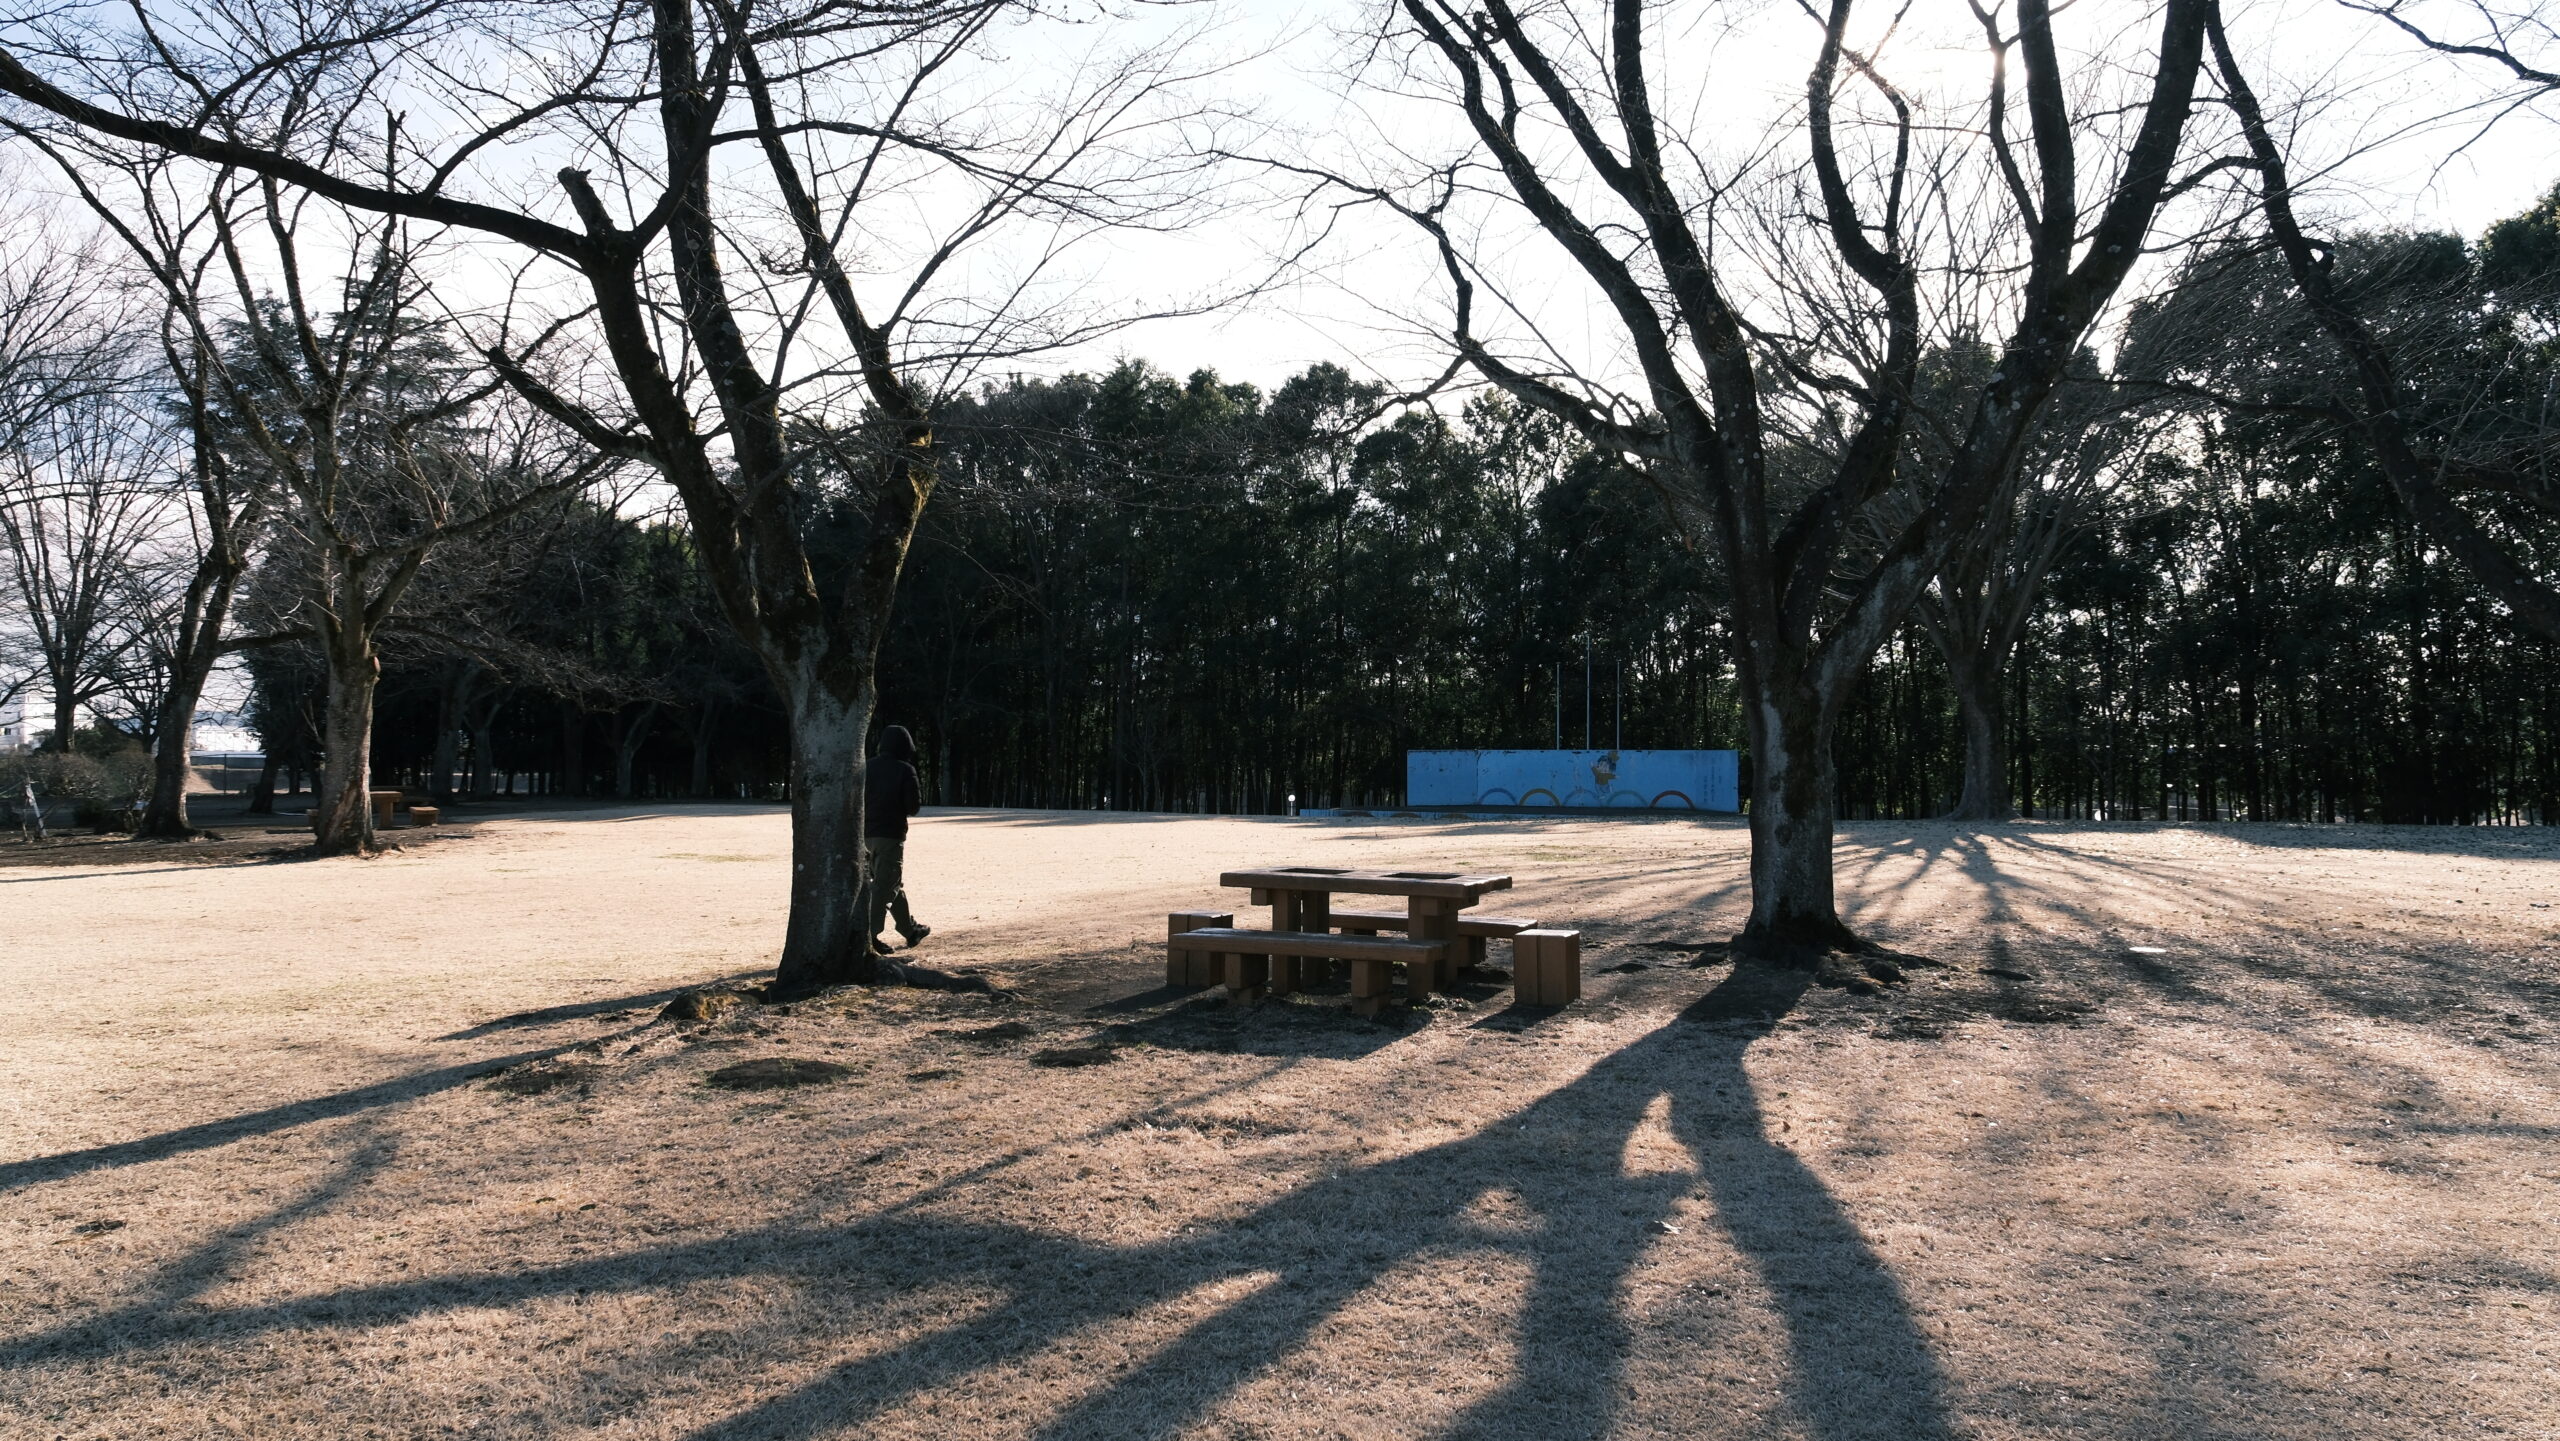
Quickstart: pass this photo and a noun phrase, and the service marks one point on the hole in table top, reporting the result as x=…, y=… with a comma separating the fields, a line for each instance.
x=1313, y=871
x=1423, y=875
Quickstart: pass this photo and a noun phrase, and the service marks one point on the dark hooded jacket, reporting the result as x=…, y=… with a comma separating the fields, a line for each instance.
x=889, y=790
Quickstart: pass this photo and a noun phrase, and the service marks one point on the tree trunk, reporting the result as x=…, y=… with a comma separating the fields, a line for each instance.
x=484, y=763
x=164, y=816
x=573, y=750
x=453, y=698
x=346, y=759
x=484, y=753
x=262, y=792
x=199, y=644
x=1982, y=707
x=824, y=943
x=630, y=733
x=1794, y=919
x=701, y=784
x=66, y=718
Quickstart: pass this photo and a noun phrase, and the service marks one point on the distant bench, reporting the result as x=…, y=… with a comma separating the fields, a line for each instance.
x=384, y=804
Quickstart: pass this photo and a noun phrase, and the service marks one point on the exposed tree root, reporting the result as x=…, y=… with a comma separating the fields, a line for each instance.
x=882, y=972
x=1837, y=957
x=928, y=979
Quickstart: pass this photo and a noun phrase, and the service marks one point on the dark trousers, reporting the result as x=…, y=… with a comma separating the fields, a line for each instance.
x=885, y=894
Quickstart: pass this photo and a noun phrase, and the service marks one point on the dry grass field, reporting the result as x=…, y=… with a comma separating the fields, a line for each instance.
x=2234, y=1131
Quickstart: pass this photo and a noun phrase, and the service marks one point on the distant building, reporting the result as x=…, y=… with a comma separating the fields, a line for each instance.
x=16, y=732
x=222, y=732
x=224, y=752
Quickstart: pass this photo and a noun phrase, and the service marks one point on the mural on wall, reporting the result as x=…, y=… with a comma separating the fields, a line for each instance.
x=1625, y=780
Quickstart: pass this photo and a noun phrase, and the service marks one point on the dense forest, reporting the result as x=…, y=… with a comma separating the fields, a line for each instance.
x=1156, y=593
x=1142, y=591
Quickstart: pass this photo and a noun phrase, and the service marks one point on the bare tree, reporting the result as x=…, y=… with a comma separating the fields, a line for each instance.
x=356, y=411
x=1773, y=445
x=166, y=215
x=2451, y=496
x=72, y=505
x=380, y=436
x=891, y=142
x=1977, y=609
x=81, y=504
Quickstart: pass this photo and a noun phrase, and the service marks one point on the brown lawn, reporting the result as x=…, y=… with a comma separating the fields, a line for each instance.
x=2240, y=1131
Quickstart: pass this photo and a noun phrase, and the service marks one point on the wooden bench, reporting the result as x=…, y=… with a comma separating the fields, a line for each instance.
x=1187, y=965
x=383, y=802
x=1474, y=930
x=1245, y=960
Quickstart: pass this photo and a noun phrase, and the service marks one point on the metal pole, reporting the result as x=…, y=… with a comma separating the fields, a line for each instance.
x=1618, y=733
x=1559, y=705
x=1586, y=690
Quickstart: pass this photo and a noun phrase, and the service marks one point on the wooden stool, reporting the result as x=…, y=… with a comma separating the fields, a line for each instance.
x=423, y=815
x=384, y=802
x=1546, y=967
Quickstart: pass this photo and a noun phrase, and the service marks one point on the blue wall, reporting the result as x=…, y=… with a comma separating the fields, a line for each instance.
x=1632, y=780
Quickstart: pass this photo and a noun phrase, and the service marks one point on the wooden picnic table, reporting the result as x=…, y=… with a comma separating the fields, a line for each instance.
x=1301, y=900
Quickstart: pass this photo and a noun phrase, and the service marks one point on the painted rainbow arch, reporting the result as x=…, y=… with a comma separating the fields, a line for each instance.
x=1617, y=780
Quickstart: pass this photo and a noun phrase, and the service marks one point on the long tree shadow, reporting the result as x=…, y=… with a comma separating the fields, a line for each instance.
x=16, y=1175
x=1860, y=1368
x=1859, y=1365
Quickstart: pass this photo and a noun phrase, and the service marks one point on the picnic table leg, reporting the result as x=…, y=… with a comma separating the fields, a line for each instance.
x=1368, y=987
x=1300, y=911
x=1428, y=918
x=1286, y=907
x=1315, y=913
x=1245, y=976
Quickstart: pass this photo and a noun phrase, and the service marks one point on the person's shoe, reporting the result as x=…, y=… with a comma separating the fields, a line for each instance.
x=915, y=937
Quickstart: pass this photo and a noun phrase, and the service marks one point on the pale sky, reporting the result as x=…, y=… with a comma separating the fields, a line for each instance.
x=2404, y=137
x=2445, y=173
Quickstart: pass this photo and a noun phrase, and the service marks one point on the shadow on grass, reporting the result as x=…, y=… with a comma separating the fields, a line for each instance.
x=581, y=1010
x=1860, y=1367
x=17, y=1175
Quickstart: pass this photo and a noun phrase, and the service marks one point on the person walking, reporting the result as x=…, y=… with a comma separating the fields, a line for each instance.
x=890, y=795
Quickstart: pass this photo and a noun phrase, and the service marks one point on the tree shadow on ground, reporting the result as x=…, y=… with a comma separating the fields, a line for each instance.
x=2241, y=965
x=18, y=1175
x=581, y=1010
x=1858, y=1364
x=1290, y=1027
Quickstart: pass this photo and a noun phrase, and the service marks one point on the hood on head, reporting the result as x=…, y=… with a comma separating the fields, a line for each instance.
x=896, y=744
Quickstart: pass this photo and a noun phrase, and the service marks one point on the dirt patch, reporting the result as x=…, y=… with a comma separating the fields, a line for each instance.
x=1071, y=1056
x=694, y=1007
x=777, y=1073
x=541, y=1078
x=996, y=1034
